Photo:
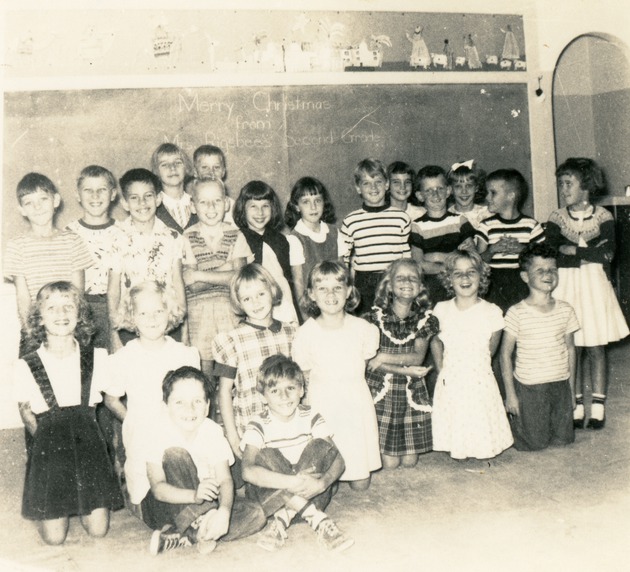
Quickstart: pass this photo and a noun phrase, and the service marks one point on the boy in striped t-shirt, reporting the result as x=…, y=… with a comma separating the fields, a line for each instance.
x=374, y=235
x=501, y=237
x=540, y=387
x=44, y=254
x=289, y=459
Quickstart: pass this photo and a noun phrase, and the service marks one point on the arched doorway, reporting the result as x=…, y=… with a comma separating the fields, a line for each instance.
x=591, y=118
x=591, y=105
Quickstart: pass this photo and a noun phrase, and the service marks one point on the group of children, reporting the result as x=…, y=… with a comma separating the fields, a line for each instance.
x=313, y=343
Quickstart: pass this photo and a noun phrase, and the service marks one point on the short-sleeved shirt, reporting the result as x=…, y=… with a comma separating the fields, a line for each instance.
x=65, y=378
x=524, y=228
x=139, y=257
x=99, y=240
x=208, y=448
x=238, y=355
x=541, y=349
x=475, y=216
x=289, y=437
x=41, y=260
x=376, y=236
x=138, y=372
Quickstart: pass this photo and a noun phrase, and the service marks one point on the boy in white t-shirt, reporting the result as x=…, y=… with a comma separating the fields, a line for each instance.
x=191, y=500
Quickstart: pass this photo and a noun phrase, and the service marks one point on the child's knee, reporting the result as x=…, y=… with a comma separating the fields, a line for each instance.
x=390, y=462
x=96, y=524
x=54, y=532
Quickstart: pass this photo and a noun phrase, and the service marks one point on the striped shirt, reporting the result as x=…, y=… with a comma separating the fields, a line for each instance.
x=289, y=437
x=524, y=228
x=41, y=260
x=238, y=355
x=541, y=351
x=442, y=234
x=376, y=236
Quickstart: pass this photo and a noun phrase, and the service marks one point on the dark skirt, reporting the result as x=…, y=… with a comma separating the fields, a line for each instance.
x=68, y=472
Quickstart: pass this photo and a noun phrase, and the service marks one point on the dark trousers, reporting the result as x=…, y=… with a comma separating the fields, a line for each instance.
x=318, y=456
x=366, y=283
x=435, y=288
x=506, y=288
x=247, y=517
x=546, y=415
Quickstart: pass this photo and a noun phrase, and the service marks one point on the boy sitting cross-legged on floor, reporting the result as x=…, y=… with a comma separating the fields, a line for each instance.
x=289, y=459
x=192, y=499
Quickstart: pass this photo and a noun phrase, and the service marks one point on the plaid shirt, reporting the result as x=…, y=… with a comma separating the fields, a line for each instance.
x=238, y=355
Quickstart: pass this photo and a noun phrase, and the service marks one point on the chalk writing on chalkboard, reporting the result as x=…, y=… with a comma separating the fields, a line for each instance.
x=277, y=134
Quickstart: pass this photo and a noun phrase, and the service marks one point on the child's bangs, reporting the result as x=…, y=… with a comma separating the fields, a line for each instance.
x=325, y=271
x=469, y=177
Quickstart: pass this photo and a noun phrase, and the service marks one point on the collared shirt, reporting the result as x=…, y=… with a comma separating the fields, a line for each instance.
x=180, y=209
x=238, y=355
x=139, y=256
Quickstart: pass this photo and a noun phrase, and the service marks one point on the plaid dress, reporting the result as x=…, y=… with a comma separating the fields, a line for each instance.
x=239, y=353
x=402, y=402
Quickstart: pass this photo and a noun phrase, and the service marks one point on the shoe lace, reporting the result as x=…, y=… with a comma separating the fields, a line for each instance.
x=175, y=541
x=279, y=529
x=327, y=527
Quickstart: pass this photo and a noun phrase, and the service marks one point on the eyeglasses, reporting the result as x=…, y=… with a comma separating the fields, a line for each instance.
x=434, y=191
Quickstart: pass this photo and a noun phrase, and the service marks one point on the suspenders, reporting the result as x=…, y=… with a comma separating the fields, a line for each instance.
x=36, y=366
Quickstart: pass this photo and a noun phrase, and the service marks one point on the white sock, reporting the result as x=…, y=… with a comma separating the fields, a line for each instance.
x=578, y=412
x=597, y=411
x=313, y=516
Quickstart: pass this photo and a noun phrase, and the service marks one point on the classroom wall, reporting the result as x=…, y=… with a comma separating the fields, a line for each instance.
x=591, y=105
x=548, y=28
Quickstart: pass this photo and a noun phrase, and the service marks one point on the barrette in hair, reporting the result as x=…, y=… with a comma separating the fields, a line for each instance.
x=468, y=164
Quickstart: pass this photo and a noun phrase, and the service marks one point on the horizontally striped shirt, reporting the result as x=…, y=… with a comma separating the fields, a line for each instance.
x=376, y=236
x=289, y=437
x=41, y=260
x=524, y=228
x=440, y=234
x=542, y=355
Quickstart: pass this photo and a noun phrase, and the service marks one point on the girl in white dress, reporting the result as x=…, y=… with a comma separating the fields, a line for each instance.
x=469, y=419
x=332, y=347
x=585, y=238
x=137, y=371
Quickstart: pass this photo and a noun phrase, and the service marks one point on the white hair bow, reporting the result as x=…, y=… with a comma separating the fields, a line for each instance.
x=468, y=164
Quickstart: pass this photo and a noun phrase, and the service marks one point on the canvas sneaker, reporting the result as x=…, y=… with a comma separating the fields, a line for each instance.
x=330, y=537
x=167, y=539
x=273, y=536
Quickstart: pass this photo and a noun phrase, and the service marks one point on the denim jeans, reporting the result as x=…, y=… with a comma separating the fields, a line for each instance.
x=180, y=470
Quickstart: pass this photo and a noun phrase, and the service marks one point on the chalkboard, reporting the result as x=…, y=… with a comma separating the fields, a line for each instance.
x=276, y=134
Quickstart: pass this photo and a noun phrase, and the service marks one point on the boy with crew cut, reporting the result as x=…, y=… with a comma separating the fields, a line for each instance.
x=540, y=384
x=43, y=254
x=147, y=251
x=501, y=237
x=374, y=235
x=96, y=192
x=436, y=233
x=289, y=459
x=209, y=162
